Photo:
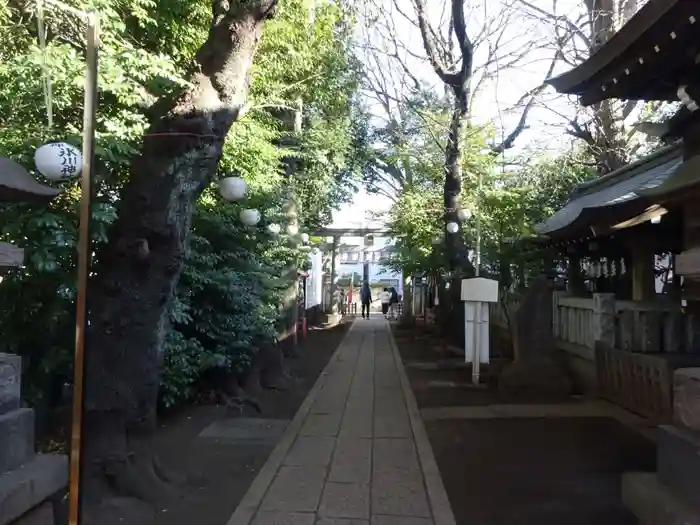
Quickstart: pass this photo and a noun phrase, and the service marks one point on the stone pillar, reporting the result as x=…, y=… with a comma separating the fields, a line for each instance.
x=604, y=318
x=334, y=255
x=535, y=369
x=27, y=479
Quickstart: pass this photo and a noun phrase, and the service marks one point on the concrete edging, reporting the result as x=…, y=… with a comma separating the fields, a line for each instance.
x=437, y=496
x=247, y=507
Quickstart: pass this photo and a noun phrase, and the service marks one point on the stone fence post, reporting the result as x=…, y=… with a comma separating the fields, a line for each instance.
x=604, y=318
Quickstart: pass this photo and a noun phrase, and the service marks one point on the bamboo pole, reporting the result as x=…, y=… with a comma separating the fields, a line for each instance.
x=84, y=257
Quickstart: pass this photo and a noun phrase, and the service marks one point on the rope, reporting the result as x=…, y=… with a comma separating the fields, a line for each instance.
x=46, y=84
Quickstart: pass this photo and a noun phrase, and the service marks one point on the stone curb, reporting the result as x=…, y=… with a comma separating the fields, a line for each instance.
x=248, y=506
x=437, y=496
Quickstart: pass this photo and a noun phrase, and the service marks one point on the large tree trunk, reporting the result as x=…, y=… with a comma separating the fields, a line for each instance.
x=140, y=266
x=453, y=176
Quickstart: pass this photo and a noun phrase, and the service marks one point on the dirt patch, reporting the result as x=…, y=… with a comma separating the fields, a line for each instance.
x=218, y=475
x=544, y=471
x=449, y=384
x=524, y=471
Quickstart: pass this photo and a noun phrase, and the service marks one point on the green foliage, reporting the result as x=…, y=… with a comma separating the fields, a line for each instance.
x=506, y=208
x=416, y=218
x=227, y=299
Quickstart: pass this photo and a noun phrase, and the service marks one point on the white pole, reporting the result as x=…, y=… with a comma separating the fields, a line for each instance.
x=476, y=364
x=466, y=332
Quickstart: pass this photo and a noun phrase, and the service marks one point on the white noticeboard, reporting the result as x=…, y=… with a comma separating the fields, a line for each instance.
x=480, y=289
x=476, y=294
x=471, y=310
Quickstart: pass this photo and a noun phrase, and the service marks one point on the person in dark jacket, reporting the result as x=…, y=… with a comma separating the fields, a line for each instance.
x=393, y=302
x=366, y=299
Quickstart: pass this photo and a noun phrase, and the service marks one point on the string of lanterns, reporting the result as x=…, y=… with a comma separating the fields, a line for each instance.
x=464, y=214
x=59, y=161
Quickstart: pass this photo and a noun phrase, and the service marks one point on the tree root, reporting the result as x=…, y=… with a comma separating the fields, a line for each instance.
x=143, y=479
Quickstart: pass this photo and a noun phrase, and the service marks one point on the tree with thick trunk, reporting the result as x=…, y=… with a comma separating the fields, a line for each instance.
x=457, y=80
x=140, y=266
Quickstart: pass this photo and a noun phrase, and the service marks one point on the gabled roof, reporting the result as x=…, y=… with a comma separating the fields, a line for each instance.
x=623, y=186
x=646, y=59
x=17, y=185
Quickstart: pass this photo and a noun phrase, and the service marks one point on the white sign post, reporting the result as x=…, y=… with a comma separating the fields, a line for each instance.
x=475, y=294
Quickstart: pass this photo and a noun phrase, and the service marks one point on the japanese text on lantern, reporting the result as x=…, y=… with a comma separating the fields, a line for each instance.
x=69, y=160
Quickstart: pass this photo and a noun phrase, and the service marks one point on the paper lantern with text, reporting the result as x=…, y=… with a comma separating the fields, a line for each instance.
x=58, y=161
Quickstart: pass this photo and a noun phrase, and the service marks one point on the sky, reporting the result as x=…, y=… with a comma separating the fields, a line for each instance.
x=495, y=96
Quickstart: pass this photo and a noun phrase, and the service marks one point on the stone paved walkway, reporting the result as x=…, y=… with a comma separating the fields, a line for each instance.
x=356, y=452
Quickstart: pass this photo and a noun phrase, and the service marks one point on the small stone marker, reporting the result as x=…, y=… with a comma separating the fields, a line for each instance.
x=10, y=382
x=686, y=397
x=535, y=370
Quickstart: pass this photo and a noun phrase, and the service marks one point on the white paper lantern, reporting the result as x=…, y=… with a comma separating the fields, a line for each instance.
x=58, y=161
x=274, y=228
x=250, y=217
x=464, y=214
x=452, y=227
x=292, y=229
x=233, y=188
x=304, y=238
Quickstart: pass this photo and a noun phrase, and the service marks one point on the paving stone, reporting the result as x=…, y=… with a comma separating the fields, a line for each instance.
x=399, y=494
x=395, y=454
x=392, y=426
x=325, y=405
x=345, y=500
x=364, y=404
x=399, y=520
x=356, y=424
x=295, y=489
x=387, y=379
x=321, y=425
x=352, y=461
x=285, y=518
x=310, y=451
x=341, y=521
x=390, y=405
x=243, y=429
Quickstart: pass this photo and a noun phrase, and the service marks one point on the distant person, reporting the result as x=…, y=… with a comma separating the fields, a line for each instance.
x=393, y=301
x=385, y=299
x=365, y=299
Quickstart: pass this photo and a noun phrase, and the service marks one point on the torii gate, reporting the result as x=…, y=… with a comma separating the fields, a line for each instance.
x=336, y=234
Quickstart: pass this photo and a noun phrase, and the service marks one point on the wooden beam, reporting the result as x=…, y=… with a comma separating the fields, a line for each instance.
x=10, y=256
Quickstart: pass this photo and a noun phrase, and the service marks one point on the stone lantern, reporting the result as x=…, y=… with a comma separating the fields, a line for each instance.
x=30, y=483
